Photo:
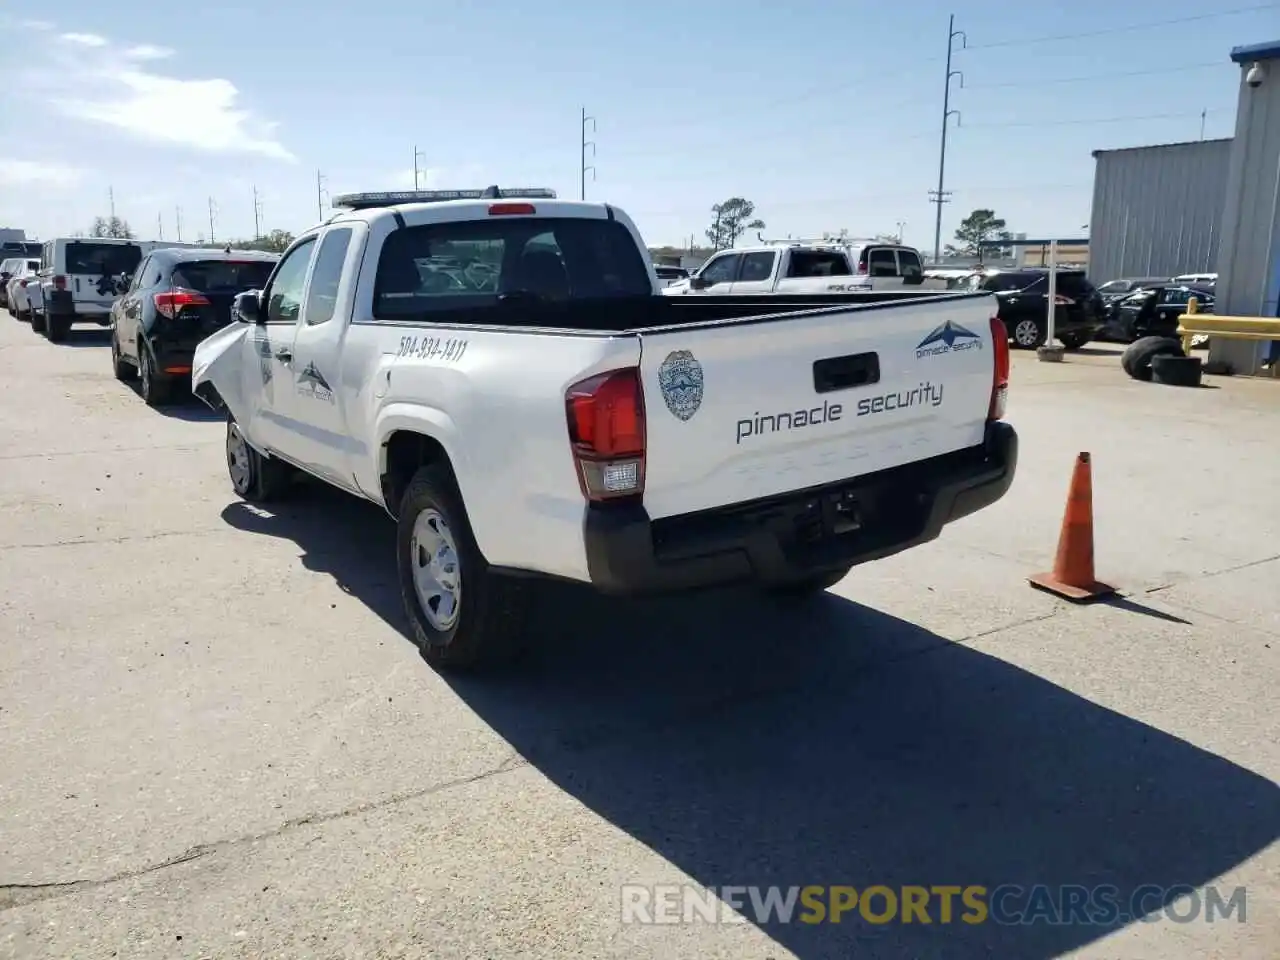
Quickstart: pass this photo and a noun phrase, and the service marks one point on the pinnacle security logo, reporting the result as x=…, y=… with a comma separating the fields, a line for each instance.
x=948, y=338
x=311, y=383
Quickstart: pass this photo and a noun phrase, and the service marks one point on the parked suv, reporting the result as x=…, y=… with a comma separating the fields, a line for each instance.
x=175, y=299
x=79, y=281
x=1023, y=298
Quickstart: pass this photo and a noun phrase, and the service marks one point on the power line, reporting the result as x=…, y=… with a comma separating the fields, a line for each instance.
x=1040, y=82
x=1053, y=38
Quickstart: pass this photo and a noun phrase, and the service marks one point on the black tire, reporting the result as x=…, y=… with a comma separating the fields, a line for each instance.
x=485, y=626
x=37, y=321
x=1176, y=371
x=122, y=369
x=1137, y=357
x=1074, y=341
x=254, y=477
x=1027, y=333
x=801, y=590
x=156, y=389
x=57, y=328
x=23, y=316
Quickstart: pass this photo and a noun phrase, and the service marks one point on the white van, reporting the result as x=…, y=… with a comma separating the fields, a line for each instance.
x=79, y=280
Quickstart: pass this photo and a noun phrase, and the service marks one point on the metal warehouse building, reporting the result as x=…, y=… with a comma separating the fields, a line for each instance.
x=1208, y=206
x=1157, y=211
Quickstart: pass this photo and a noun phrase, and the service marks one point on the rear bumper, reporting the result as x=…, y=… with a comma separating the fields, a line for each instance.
x=788, y=538
x=60, y=305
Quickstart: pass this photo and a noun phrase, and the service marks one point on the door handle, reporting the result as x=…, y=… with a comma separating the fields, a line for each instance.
x=284, y=356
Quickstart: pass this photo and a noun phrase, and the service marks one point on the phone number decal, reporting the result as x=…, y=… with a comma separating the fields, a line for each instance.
x=432, y=348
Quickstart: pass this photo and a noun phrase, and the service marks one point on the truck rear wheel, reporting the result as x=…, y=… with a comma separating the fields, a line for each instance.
x=462, y=615
x=809, y=587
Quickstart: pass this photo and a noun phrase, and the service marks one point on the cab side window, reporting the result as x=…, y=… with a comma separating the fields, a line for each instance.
x=756, y=267
x=284, y=292
x=721, y=269
x=322, y=295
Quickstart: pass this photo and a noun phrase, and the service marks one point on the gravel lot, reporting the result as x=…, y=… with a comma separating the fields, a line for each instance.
x=216, y=742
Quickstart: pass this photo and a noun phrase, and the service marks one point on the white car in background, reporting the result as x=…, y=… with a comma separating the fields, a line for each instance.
x=17, y=287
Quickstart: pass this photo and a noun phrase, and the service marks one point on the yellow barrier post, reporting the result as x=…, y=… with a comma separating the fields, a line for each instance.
x=1193, y=307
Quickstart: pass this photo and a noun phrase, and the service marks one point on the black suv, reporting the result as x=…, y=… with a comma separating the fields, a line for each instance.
x=175, y=299
x=1024, y=302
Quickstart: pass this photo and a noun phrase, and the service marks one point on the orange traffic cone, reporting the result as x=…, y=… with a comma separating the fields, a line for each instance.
x=1072, y=577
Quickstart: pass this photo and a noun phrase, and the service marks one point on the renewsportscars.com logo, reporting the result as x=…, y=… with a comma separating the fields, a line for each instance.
x=948, y=338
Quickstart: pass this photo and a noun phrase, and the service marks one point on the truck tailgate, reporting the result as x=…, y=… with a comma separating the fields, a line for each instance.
x=753, y=408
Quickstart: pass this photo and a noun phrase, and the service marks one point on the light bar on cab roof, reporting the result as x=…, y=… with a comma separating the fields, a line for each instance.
x=362, y=201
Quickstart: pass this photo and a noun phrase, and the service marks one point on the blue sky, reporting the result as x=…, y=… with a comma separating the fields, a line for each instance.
x=825, y=113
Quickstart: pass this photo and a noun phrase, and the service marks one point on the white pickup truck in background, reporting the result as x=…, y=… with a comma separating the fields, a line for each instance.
x=808, y=267
x=498, y=370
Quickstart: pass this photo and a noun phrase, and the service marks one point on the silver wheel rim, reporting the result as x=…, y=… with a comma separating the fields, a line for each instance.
x=238, y=458
x=437, y=572
x=1025, y=332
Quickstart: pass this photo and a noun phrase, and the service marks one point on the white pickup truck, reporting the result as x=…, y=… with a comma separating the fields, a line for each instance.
x=498, y=370
x=808, y=267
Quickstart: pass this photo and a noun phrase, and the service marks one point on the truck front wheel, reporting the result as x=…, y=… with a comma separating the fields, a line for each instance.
x=462, y=615
x=257, y=478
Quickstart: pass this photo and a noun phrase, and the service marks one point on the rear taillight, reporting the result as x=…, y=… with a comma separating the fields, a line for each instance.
x=607, y=435
x=862, y=268
x=170, y=304
x=59, y=282
x=999, y=370
x=22, y=284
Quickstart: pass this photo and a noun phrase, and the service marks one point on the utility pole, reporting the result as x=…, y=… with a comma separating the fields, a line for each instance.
x=257, y=214
x=941, y=195
x=587, y=143
x=160, y=226
x=1203, y=114
x=319, y=195
x=417, y=155
x=213, y=209
x=111, y=200
x=177, y=222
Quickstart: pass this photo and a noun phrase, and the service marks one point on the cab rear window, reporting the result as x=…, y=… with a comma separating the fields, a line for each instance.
x=99, y=259
x=461, y=266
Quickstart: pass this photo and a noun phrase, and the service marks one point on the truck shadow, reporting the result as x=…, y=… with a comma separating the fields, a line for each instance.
x=830, y=745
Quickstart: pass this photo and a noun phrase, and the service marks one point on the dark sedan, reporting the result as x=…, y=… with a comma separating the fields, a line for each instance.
x=1155, y=311
x=176, y=298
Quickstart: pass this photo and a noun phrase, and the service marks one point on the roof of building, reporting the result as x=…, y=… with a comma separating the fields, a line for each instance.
x=1162, y=146
x=1256, y=51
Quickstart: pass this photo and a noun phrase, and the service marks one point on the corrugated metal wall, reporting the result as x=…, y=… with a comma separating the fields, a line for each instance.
x=1157, y=211
x=1249, y=281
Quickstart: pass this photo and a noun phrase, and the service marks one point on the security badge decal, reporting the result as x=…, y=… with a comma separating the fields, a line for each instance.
x=680, y=379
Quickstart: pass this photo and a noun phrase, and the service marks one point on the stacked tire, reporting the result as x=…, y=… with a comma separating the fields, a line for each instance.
x=1161, y=360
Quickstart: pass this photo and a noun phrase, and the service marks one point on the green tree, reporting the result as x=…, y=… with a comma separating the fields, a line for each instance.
x=111, y=227
x=980, y=226
x=733, y=218
x=274, y=241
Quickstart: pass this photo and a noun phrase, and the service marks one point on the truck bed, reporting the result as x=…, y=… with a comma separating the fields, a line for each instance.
x=619, y=315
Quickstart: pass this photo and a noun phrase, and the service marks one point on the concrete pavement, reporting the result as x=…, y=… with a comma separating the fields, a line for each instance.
x=216, y=742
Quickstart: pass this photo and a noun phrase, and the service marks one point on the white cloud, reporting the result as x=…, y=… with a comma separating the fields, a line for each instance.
x=93, y=79
x=28, y=173
x=146, y=51
x=84, y=39
x=36, y=25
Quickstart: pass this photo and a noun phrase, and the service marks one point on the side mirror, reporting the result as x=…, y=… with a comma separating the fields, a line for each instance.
x=698, y=283
x=247, y=307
